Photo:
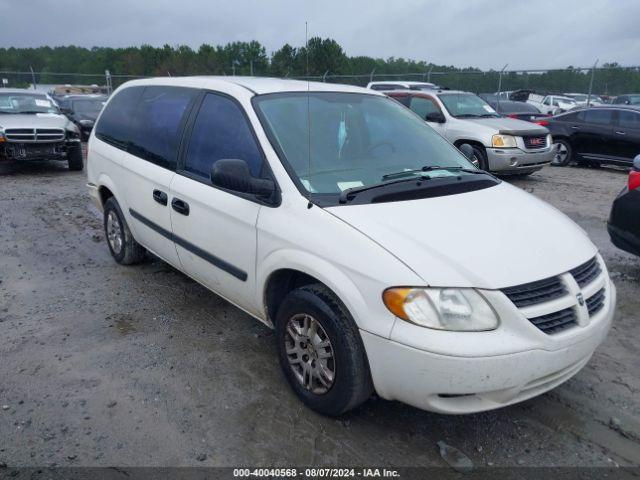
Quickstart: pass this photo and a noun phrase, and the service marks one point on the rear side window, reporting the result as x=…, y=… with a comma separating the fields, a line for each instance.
x=628, y=119
x=114, y=126
x=423, y=106
x=598, y=117
x=157, y=124
x=221, y=131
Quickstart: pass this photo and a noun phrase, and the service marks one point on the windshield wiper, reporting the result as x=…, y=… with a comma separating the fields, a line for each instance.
x=349, y=192
x=429, y=168
x=32, y=111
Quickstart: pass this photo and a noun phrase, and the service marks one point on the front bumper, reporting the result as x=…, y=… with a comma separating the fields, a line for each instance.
x=515, y=160
x=17, y=151
x=467, y=384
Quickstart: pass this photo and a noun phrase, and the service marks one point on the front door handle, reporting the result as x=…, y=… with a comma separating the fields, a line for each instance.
x=575, y=127
x=180, y=206
x=160, y=197
x=621, y=133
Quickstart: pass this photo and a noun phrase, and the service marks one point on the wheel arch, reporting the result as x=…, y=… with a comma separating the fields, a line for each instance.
x=285, y=270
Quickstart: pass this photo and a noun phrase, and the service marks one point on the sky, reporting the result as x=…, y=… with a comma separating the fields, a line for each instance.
x=526, y=34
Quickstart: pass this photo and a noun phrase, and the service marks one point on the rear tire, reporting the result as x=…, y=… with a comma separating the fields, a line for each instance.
x=76, y=162
x=564, y=153
x=325, y=364
x=123, y=247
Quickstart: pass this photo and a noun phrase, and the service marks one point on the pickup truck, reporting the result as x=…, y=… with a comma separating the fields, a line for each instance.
x=33, y=128
x=552, y=104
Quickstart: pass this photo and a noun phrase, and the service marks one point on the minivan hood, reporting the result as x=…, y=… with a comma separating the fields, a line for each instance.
x=33, y=120
x=493, y=238
x=511, y=125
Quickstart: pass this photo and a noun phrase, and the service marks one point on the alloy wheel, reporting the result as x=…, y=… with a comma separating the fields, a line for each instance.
x=310, y=353
x=114, y=232
x=561, y=153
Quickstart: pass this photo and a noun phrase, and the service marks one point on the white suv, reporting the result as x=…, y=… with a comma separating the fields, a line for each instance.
x=506, y=146
x=383, y=258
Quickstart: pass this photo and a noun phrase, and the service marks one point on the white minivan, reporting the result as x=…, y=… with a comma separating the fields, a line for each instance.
x=382, y=257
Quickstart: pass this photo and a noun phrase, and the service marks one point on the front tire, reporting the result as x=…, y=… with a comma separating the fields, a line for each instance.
x=321, y=352
x=123, y=247
x=564, y=153
x=479, y=158
x=76, y=162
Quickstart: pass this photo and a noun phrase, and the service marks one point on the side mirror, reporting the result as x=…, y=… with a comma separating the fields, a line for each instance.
x=233, y=174
x=467, y=151
x=436, y=117
x=636, y=163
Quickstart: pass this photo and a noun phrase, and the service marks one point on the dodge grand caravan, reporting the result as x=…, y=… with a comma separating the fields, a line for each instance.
x=382, y=257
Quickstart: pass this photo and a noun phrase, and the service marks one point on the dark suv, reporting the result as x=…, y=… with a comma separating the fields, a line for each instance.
x=83, y=110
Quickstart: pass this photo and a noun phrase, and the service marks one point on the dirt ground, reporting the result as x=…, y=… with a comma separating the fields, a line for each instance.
x=139, y=366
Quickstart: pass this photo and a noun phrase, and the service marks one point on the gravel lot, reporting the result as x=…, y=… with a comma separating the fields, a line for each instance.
x=108, y=365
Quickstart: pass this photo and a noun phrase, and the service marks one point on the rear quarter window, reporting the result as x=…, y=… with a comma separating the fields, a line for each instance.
x=114, y=126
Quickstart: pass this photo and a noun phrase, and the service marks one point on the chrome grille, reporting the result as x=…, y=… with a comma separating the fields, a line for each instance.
x=595, y=302
x=535, y=142
x=29, y=135
x=556, y=321
x=535, y=292
x=587, y=272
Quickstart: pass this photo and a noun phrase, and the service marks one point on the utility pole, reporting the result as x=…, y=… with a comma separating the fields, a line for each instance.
x=251, y=65
x=33, y=77
x=593, y=73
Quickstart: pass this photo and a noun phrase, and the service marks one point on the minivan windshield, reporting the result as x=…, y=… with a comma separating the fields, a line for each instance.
x=466, y=105
x=26, y=103
x=89, y=106
x=357, y=140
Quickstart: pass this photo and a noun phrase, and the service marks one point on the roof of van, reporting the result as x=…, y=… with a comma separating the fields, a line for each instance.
x=22, y=90
x=258, y=85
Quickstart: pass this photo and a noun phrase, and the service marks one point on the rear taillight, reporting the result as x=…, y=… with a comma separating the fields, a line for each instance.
x=513, y=115
x=543, y=123
x=634, y=180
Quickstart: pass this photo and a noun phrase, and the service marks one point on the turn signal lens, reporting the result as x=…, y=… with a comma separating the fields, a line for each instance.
x=394, y=300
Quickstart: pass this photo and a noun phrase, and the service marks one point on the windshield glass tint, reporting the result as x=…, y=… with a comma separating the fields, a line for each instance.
x=25, y=103
x=466, y=105
x=88, y=106
x=355, y=139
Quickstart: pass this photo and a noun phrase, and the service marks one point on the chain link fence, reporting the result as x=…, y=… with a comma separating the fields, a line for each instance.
x=603, y=81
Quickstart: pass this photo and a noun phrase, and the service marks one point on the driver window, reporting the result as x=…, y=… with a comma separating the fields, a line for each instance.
x=221, y=132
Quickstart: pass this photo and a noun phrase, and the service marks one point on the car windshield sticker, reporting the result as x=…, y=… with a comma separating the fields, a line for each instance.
x=43, y=103
x=489, y=109
x=344, y=185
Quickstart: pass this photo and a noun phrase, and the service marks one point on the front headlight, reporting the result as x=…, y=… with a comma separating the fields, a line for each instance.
x=503, y=141
x=86, y=123
x=2, y=139
x=456, y=309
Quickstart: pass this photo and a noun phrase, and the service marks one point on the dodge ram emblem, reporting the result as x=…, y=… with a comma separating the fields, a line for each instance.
x=580, y=298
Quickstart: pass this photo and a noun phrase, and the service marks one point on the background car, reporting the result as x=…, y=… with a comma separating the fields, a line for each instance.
x=624, y=221
x=83, y=110
x=393, y=85
x=501, y=145
x=632, y=99
x=518, y=110
x=582, y=99
x=597, y=135
x=33, y=128
x=553, y=104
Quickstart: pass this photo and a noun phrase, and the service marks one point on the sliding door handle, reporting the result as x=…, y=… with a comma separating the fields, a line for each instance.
x=160, y=197
x=180, y=206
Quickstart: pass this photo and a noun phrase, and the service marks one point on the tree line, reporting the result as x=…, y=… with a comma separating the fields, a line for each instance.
x=321, y=56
